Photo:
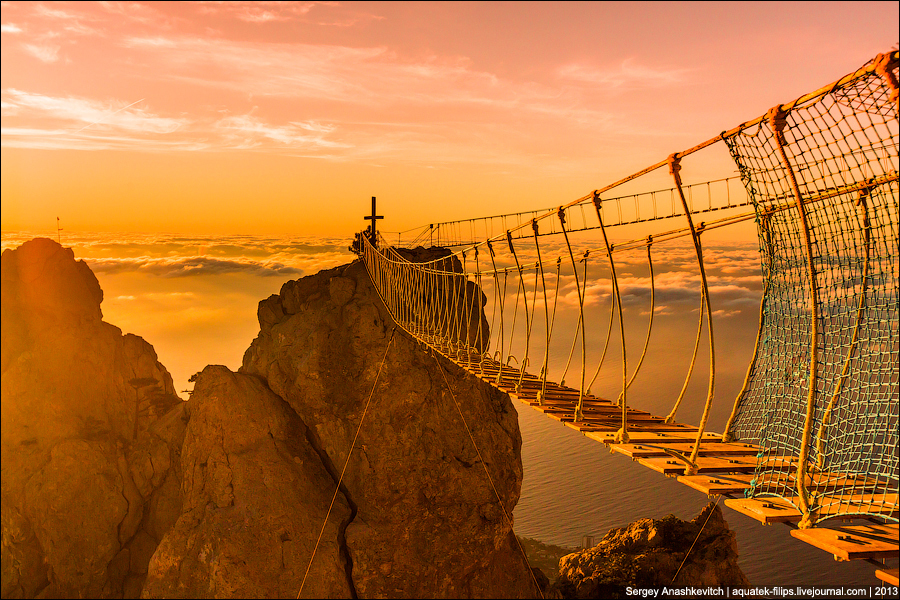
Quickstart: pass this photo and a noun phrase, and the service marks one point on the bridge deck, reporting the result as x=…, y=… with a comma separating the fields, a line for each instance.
x=723, y=468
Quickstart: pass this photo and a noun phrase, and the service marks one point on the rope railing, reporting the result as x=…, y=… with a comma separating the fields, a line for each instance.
x=643, y=207
x=525, y=307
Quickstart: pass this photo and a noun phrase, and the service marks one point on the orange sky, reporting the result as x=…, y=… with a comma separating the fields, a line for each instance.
x=285, y=118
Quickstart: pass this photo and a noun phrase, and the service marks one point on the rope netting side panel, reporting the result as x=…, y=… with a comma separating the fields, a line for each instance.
x=823, y=389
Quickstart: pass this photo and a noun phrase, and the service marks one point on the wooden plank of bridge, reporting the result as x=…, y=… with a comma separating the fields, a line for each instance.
x=654, y=437
x=637, y=451
x=780, y=510
x=889, y=576
x=714, y=485
x=614, y=424
x=853, y=542
x=712, y=464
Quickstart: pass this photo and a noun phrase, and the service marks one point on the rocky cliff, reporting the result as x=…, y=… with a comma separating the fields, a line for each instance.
x=415, y=514
x=104, y=467
x=91, y=436
x=652, y=553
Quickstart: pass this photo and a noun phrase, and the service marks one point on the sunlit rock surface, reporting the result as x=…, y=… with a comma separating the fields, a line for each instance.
x=91, y=434
x=648, y=553
x=416, y=516
x=255, y=497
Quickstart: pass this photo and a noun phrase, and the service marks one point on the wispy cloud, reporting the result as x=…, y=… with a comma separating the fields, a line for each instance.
x=325, y=13
x=628, y=74
x=82, y=110
x=246, y=131
x=43, y=52
x=54, y=12
x=10, y=28
x=370, y=101
x=82, y=123
x=134, y=11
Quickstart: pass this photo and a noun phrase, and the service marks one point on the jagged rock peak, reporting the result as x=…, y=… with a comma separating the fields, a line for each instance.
x=415, y=515
x=44, y=278
x=91, y=430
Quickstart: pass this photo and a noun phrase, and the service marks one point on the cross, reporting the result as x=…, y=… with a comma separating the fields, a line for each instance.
x=373, y=217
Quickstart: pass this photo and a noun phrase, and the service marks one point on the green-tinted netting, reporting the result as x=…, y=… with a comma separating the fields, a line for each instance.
x=841, y=147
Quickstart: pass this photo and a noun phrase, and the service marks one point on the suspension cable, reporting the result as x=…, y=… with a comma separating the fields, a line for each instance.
x=622, y=434
x=509, y=520
x=674, y=169
x=537, y=247
x=579, y=415
x=777, y=121
x=652, y=308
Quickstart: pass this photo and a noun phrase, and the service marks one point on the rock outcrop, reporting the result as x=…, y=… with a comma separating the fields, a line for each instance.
x=255, y=497
x=648, y=553
x=415, y=514
x=91, y=435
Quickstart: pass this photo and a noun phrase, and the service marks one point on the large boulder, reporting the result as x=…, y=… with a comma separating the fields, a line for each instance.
x=91, y=431
x=417, y=514
x=654, y=553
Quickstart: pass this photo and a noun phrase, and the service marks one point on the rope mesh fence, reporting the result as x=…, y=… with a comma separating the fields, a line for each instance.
x=544, y=304
x=842, y=148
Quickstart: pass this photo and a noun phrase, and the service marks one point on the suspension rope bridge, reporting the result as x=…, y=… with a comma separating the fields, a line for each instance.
x=812, y=436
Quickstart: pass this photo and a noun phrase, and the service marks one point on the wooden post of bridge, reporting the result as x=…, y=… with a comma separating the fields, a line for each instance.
x=373, y=237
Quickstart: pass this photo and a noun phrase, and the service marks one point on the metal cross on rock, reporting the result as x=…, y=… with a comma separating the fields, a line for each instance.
x=373, y=217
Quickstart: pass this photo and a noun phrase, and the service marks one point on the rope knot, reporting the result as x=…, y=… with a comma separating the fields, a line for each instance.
x=675, y=167
x=534, y=226
x=863, y=194
x=561, y=213
x=884, y=64
x=777, y=118
x=598, y=207
x=490, y=248
x=509, y=241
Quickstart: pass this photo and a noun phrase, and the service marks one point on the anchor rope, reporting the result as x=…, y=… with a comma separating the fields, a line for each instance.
x=694, y=543
x=487, y=473
x=346, y=462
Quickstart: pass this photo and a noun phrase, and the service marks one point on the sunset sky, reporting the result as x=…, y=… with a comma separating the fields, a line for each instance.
x=198, y=155
x=285, y=118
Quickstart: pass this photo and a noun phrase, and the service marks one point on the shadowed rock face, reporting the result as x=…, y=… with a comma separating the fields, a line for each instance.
x=649, y=552
x=415, y=515
x=91, y=432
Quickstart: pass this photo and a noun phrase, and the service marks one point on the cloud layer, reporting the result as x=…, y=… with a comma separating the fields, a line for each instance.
x=178, y=256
